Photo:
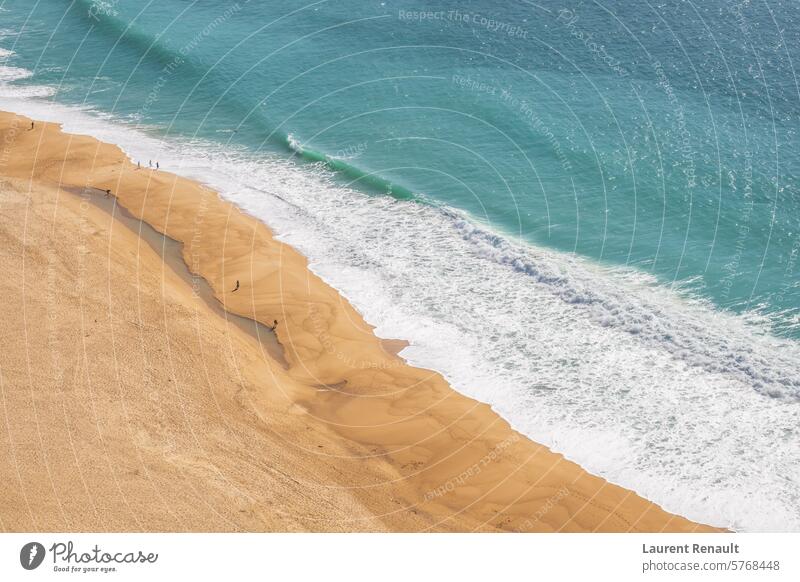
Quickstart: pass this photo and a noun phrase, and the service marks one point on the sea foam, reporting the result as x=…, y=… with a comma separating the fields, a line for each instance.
x=8, y=74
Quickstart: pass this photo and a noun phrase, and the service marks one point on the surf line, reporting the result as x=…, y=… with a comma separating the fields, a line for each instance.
x=692, y=549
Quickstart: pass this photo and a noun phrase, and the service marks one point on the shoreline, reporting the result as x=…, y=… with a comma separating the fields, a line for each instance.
x=454, y=459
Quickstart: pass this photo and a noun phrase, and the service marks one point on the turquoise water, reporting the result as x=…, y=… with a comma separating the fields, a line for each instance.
x=597, y=202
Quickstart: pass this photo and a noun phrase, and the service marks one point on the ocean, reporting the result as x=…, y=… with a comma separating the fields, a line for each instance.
x=585, y=214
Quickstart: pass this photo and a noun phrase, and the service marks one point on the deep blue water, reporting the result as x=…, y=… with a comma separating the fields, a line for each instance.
x=657, y=136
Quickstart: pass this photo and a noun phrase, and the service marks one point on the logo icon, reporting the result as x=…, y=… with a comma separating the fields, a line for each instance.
x=31, y=555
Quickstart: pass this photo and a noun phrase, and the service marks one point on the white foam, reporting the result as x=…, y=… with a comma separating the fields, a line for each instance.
x=26, y=91
x=11, y=90
x=654, y=391
x=294, y=144
x=8, y=74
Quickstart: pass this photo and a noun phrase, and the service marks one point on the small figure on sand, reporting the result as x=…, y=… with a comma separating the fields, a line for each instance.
x=32, y=126
x=138, y=165
x=274, y=325
x=157, y=166
x=108, y=193
x=150, y=163
x=235, y=289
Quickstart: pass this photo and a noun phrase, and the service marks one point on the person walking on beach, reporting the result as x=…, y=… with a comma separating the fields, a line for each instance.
x=235, y=289
x=138, y=165
x=274, y=325
x=150, y=163
x=157, y=166
x=32, y=125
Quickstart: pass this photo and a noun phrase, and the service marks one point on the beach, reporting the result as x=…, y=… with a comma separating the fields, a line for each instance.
x=138, y=394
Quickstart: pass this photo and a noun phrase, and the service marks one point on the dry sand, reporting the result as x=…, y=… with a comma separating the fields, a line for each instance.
x=132, y=401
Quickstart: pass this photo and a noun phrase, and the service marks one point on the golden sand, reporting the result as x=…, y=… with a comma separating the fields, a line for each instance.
x=138, y=395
